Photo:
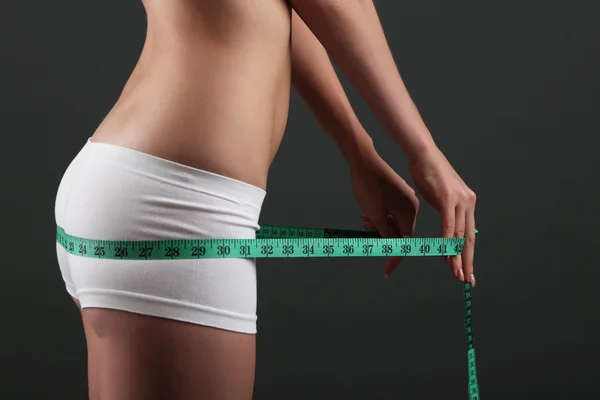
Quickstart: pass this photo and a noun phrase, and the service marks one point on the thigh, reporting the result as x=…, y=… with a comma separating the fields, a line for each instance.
x=146, y=357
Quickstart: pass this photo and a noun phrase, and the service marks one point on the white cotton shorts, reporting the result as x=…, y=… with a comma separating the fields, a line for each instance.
x=111, y=192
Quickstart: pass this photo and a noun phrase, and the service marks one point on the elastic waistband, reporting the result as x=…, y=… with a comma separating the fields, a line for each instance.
x=175, y=173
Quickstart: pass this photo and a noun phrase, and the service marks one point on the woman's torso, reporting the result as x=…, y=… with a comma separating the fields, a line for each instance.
x=211, y=89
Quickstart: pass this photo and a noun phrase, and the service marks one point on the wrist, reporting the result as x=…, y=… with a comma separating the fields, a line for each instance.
x=357, y=148
x=416, y=145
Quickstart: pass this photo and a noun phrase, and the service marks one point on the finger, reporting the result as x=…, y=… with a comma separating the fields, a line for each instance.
x=370, y=227
x=392, y=221
x=391, y=264
x=468, y=252
x=403, y=226
x=448, y=216
x=384, y=226
x=401, y=229
x=404, y=230
x=456, y=262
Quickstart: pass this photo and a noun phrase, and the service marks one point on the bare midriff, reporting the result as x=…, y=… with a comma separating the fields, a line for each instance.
x=211, y=88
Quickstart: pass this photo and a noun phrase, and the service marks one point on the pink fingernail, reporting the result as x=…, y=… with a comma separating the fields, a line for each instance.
x=461, y=275
x=472, y=280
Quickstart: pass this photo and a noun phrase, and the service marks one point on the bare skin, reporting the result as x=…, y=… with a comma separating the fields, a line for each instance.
x=132, y=356
x=211, y=90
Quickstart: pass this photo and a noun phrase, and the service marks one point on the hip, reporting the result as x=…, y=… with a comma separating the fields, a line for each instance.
x=114, y=192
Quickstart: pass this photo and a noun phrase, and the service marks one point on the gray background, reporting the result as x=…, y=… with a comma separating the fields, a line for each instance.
x=509, y=90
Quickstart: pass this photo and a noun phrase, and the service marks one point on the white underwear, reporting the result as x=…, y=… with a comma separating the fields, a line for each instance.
x=116, y=193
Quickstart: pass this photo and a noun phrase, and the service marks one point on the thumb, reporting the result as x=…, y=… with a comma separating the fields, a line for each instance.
x=385, y=225
x=404, y=224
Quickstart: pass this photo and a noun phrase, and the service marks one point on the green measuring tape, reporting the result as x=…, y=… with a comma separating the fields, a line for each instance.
x=274, y=241
x=271, y=241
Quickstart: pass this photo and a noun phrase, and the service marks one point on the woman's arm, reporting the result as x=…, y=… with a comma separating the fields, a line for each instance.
x=317, y=84
x=388, y=202
x=351, y=32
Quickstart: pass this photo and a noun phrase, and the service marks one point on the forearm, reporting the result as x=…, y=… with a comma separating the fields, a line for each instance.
x=351, y=32
x=317, y=84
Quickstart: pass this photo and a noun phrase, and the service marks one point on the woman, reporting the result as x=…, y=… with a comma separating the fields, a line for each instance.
x=185, y=152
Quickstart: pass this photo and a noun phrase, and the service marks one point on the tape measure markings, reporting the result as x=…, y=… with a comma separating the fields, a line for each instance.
x=473, y=386
x=271, y=241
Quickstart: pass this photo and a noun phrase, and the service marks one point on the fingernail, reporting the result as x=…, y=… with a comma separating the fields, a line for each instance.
x=461, y=275
x=472, y=280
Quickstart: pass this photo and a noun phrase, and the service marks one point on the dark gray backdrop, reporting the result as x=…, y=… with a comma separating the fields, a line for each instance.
x=509, y=90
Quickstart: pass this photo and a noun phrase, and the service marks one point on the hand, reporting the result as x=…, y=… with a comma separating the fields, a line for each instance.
x=440, y=186
x=389, y=204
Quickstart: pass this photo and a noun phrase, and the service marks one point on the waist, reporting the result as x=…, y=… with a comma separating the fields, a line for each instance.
x=232, y=158
x=207, y=115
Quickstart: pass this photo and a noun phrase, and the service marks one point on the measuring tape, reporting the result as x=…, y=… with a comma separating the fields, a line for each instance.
x=274, y=241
